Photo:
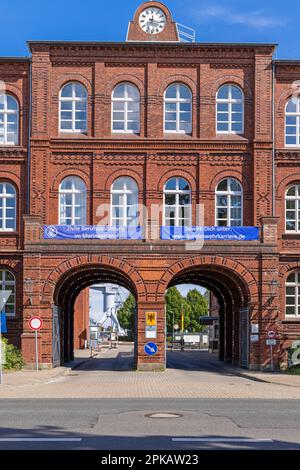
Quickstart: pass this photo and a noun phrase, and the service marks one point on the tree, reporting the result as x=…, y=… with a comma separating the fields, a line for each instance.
x=126, y=313
x=176, y=304
x=198, y=307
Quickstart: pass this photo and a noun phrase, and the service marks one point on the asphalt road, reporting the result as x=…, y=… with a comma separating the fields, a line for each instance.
x=126, y=423
x=111, y=424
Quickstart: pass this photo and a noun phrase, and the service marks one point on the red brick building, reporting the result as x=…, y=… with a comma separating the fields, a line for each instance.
x=152, y=121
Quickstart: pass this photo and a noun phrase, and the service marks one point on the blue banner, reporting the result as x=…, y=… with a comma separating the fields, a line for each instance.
x=210, y=233
x=3, y=323
x=85, y=232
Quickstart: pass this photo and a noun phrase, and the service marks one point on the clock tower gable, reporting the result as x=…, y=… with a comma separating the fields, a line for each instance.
x=152, y=22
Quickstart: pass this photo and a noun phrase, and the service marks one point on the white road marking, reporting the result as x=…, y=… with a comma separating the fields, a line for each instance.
x=40, y=439
x=218, y=439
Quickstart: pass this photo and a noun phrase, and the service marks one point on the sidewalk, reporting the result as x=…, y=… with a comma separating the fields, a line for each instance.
x=34, y=377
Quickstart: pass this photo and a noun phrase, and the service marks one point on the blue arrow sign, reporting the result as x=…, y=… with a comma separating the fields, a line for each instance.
x=151, y=349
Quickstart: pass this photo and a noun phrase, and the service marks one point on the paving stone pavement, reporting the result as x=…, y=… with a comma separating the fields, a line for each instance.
x=191, y=374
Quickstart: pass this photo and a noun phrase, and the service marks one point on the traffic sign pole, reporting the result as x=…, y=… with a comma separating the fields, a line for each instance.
x=271, y=341
x=36, y=323
x=36, y=350
x=271, y=352
x=4, y=296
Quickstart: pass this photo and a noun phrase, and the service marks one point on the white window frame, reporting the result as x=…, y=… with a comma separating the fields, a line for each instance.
x=5, y=196
x=228, y=194
x=230, y=101
x=125, y=100
x=295, y=198
x=8, y=285
x=297, y=115
x=177, y=192
x=178, y=101
x=74, y=192
x=124, y=192
x=296, y=285
x=73, y=99
x=6, y=112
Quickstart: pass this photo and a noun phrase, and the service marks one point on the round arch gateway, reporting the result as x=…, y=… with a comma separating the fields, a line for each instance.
x=235, y=290
x=67, y=288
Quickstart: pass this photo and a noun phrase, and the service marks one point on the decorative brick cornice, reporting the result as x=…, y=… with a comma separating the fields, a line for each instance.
x=75, y=159
x=288, y=158
x=227, y=159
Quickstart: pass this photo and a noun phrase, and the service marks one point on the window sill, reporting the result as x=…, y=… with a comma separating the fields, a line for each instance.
x=4, y=233
x=291, y=320
x=289, y=236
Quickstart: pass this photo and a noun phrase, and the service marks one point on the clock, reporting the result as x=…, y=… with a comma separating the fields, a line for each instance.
x=152, y=20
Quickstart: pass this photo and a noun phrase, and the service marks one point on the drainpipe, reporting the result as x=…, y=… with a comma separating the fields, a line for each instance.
x=29, y=143
x=273, y=144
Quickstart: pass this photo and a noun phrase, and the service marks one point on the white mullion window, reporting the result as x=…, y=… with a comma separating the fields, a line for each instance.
x=73, y=108
x=177, y=203
x=292, y=209
x=292, y=295
x=292, y=123
x=229, y=203
x=125, y=109
x=178, y=109
x=8, y=282
x=124, y=202
x=72, y=201
x=7, y=207
x=230, y=110
x=9, y=120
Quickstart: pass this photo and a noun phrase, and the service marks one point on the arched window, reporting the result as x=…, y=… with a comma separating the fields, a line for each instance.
x=72, y=201
x=292, y=123
x=9, y=120
x=73, y=108
x=229, y=202
x=126, y=109
x=7, y=207
x=230, y=110
x=8, y=282
x=177, y=203
x=292, y=295
x=292, y=209
x=124, y=202
x=178, y=109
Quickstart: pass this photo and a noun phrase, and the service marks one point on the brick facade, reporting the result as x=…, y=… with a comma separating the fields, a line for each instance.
x=52, y=273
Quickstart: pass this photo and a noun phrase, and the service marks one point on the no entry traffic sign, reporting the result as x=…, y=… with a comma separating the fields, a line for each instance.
x=35, y=323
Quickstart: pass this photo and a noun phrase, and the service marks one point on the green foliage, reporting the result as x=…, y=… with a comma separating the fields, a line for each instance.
x=193, y=306
x=13, y=356
x=126, y=313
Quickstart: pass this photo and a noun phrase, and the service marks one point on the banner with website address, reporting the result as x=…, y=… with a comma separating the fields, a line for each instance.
x=210, y=233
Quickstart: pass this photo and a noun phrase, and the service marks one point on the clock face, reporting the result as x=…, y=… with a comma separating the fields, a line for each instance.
x=152, y=20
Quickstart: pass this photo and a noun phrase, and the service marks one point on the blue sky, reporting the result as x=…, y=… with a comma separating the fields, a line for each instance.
x=102, y=20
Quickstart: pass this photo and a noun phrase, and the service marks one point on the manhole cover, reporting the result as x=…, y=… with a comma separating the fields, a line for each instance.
x=163, y=415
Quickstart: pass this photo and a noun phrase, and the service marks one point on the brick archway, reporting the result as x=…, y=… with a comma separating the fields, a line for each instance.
x=235, y=269
x=84, y=263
